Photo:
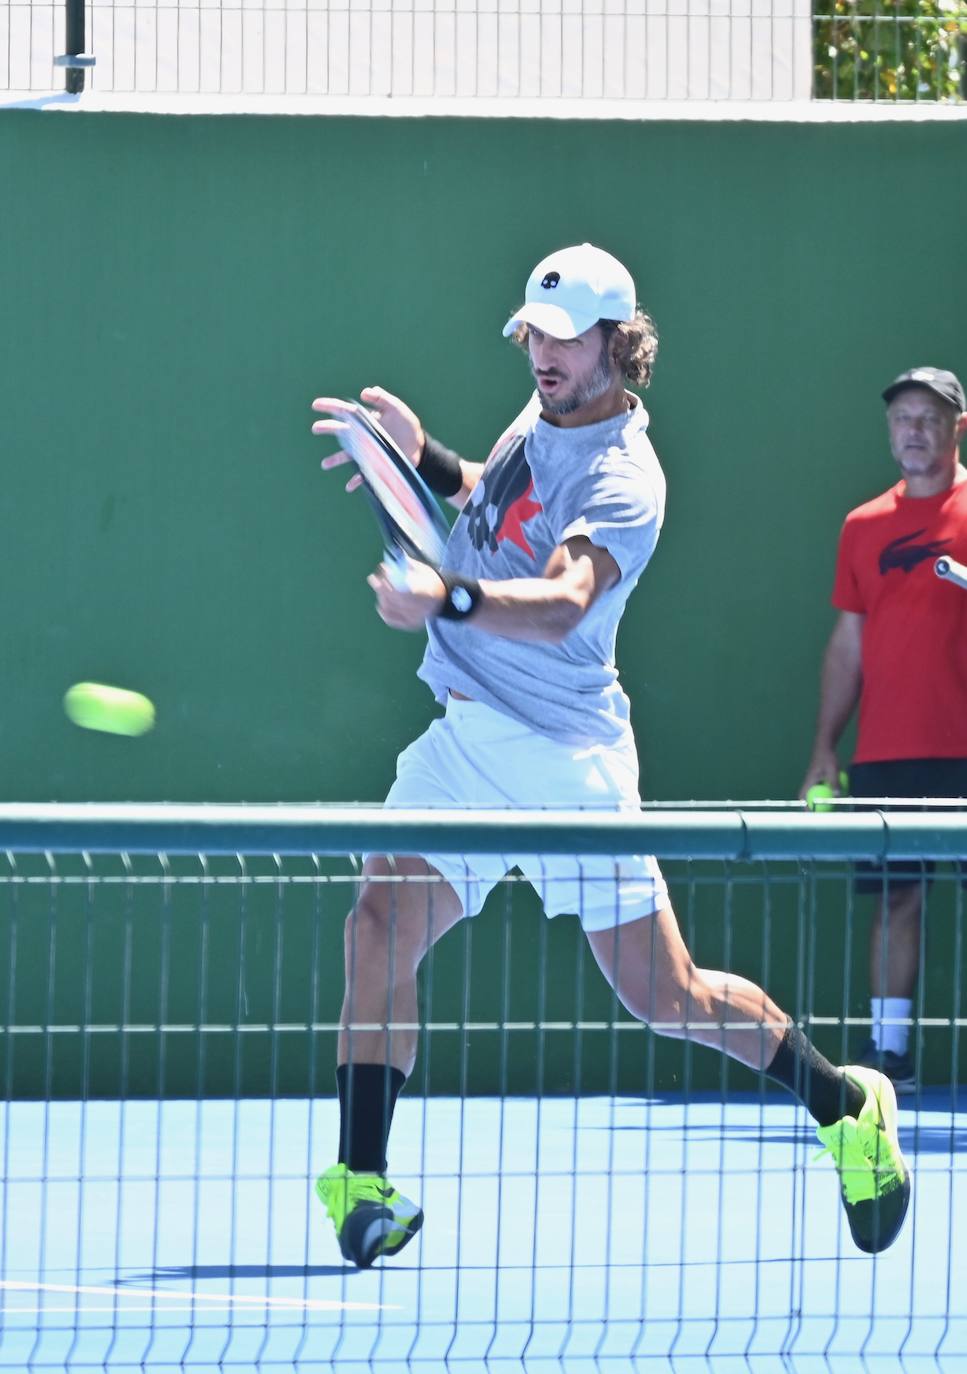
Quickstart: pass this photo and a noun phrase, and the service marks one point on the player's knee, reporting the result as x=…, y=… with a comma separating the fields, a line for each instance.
x=373, y=918
x=378, y=922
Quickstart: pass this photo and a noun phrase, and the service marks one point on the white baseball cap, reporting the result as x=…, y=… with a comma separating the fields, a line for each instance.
x=572, y=289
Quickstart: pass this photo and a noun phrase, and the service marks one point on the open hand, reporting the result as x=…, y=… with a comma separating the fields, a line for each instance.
x=399, y=421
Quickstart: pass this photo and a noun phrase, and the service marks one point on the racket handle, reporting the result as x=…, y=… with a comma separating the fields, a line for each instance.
x=394, y=561
x=951, y=571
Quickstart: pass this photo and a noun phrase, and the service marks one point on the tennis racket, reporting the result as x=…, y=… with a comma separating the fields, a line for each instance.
x=408, y=514
x=951, y=571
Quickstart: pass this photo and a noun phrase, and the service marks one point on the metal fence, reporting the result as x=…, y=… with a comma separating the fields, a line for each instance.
x=597, y=1197
x=165, y=950
x=588, y=50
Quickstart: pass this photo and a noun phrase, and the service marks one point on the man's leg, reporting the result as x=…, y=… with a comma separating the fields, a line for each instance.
x=894, y=967
x=403, y=908
x=895, y=941
x=651, y=970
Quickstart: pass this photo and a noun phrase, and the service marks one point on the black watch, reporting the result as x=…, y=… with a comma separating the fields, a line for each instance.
x=461, y=596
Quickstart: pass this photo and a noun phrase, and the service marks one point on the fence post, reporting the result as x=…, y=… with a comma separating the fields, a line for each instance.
x=75, y=60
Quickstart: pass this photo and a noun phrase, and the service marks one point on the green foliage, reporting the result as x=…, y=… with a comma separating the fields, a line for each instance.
x=890, y=50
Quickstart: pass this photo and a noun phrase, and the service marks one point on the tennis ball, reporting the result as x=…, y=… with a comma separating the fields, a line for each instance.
x=95, y=706
x=821, y=794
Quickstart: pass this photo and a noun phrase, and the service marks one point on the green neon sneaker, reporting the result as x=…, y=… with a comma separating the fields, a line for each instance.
x=371, y=1218
x=873, y=1174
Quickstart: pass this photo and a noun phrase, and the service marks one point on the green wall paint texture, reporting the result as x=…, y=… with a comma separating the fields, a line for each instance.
x=174, y=291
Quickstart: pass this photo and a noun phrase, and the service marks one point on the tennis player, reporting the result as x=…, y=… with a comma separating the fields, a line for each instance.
x=554, y=532
x=898, y=650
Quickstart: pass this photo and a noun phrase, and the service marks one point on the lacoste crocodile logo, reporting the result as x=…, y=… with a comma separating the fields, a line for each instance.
x=901, y=553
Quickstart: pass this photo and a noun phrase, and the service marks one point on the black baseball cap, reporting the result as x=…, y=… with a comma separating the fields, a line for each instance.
x=935, y=379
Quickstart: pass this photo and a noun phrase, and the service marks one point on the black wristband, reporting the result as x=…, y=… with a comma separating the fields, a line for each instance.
x=440, y=467
x=462, y=596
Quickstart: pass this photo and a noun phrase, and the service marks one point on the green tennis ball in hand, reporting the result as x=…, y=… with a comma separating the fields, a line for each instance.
x=821, y=794
x=115, y=711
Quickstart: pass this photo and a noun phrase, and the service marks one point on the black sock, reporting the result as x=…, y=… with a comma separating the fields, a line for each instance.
x=825, y=1091
x=367, y=1097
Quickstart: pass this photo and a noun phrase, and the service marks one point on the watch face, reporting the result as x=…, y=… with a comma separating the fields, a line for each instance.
x=461, y=600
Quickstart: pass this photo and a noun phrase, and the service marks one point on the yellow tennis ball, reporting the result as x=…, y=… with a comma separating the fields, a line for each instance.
x=95, y=706
x=819, y=796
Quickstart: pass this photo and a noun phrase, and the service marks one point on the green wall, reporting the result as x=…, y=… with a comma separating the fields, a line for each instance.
x=174, y=292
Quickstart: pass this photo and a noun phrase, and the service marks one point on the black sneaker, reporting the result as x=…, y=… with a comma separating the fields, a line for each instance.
x=897, y=1067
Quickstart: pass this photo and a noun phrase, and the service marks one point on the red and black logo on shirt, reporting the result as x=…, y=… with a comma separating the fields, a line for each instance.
x=506, y=504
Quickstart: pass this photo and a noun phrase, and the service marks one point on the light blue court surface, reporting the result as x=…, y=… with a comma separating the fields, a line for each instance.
x=560, y=1236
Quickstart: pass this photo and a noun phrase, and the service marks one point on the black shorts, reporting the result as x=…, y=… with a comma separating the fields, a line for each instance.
x=905, y=778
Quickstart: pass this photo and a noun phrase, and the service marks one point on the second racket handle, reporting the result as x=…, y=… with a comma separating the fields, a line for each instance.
x=951, y=571
x=396, y=570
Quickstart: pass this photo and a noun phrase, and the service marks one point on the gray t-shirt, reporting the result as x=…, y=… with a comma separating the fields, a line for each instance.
x=542, y=485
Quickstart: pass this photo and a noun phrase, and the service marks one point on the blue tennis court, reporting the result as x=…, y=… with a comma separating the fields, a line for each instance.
x=560, y=1234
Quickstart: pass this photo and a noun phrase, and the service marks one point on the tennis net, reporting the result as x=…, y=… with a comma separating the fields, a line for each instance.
x=595, y=1194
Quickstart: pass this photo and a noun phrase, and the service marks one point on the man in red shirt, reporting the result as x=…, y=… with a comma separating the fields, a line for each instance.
x=899, y=650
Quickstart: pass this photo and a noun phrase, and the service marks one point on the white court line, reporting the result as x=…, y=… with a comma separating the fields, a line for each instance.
x=76, y=1311
x=240, y=1299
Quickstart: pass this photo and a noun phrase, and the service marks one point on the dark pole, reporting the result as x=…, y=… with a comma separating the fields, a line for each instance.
x=74, y=77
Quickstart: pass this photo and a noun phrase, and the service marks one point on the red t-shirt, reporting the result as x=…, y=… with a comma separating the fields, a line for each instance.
x=914, y=699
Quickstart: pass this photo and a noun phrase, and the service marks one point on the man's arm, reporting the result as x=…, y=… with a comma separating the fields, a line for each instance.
x=541, y=610
x=471, y=476
x=442, y=469
x=841, y=683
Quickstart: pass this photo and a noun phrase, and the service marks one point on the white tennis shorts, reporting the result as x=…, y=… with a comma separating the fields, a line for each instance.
x=478, y=757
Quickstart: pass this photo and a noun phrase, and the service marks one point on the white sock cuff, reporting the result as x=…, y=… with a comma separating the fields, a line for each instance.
x=887, y=1009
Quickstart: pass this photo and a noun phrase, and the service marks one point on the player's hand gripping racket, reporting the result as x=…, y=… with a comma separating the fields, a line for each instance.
x=406, y=511
x=951, y=571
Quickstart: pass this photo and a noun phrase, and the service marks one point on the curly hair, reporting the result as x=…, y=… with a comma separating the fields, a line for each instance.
x=635, y=346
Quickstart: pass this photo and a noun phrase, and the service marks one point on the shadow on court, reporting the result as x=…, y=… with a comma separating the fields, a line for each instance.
x=202, y=1272
x=924, y=1140
x=927, y=1121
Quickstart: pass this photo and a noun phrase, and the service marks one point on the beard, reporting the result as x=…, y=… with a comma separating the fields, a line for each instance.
x=589, y=390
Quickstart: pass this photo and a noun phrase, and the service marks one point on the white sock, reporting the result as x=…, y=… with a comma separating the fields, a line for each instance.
x=893, y=1038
